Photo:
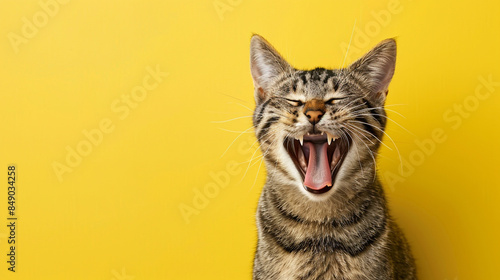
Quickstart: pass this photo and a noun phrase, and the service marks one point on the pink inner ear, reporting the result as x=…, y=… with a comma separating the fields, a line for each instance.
x=382, y=94
x=262, y=94
x=386, y=71
x=256, y=74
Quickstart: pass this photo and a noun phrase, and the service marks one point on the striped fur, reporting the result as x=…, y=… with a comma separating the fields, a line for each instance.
x=347, y=232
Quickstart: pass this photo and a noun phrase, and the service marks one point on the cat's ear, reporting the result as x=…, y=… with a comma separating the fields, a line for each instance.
x=265, y=64
x=376, y=68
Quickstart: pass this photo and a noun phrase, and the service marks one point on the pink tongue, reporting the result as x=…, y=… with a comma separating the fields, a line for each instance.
x=318, y=173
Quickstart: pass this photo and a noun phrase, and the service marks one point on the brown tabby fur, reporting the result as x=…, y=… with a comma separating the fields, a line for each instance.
x=347, y=232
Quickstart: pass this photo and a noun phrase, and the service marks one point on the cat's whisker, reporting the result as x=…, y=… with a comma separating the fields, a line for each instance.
x=256, y=176
x=233, y=119
x=270, y=146
x=250, y=162
x=258, y=159
x=390, y=138
x=391, y=105
x=382, y=108
x=374, y=136
x=361, y=133
x=368, y=148
x=395, y=112
x=265, y=138
x=233, y=97
x=342, y=112
x=381, y=130
x=261, y=160
x=346, y=106
x=390, y=119
x=239, y=135
x=246, y=107
x=387, y=109
x=348, y=46
x=234, y=131
x=359, y=157
x=265, y=153
x=220, y=112
x=286, y=136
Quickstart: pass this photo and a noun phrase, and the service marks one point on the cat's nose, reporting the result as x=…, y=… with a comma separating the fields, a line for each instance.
x=314, y=116
x=314, y=109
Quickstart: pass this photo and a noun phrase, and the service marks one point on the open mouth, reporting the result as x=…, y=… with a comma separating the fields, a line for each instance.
x=318, y=158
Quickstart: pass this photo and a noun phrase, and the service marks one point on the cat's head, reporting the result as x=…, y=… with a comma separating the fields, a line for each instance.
x=320, y=129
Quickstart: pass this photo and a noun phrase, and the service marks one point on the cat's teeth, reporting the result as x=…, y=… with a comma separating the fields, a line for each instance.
x=330, y=138
x=301, y=140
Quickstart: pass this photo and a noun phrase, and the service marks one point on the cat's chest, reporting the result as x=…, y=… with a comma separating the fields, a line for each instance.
x=322, y=266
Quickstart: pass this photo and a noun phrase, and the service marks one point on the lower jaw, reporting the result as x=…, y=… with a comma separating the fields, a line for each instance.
x=320, y=191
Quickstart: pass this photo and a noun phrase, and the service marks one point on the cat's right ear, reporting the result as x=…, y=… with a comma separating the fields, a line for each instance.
x=265, y=64
x=376, y=68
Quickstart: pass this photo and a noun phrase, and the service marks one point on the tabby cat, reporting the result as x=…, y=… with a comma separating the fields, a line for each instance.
x=322, y=213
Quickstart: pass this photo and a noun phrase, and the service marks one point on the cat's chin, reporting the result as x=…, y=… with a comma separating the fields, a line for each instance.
x=318, y=158
x=320, y=191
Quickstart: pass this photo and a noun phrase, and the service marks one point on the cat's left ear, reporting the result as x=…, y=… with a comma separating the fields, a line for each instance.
x=266, y=64
x=376, y=68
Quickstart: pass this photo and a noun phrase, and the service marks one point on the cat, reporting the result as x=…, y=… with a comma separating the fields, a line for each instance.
x=322, y=213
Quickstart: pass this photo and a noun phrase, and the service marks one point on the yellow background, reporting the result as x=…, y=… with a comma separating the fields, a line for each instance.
x=117, y=214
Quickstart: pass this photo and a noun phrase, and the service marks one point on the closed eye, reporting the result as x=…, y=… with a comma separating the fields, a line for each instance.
x=332, y=100
x=294, y=102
